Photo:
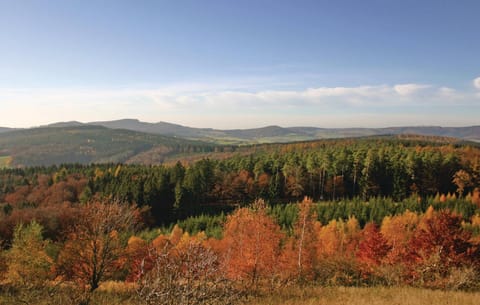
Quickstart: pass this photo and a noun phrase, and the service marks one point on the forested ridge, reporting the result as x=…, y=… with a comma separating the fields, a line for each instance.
x=385, y=210
x=87, y=144
x=91, y=144
x=269, y=134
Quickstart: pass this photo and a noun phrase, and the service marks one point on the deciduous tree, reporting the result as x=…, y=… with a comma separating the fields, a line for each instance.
x=372, y=249
x=90, y=254
x=251, y=244
x=189, y=274
x=28, y=265
x=298, y=255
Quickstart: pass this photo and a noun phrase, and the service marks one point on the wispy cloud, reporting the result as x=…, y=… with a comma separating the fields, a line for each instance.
x=409, y=89
x=381, y=95
x=209, y=104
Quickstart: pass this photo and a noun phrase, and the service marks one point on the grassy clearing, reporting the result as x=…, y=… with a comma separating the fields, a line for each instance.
x=5, y=161
x=367, y=296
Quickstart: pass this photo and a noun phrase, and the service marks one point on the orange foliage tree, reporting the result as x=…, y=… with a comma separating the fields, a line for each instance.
x=94, y=247
x=251, y=244
x=462, y=180
x=336, y=247
x=398, y=230
x=138, y=257
x=338, y=238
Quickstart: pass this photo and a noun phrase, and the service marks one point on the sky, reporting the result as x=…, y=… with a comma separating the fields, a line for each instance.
x=241, y=64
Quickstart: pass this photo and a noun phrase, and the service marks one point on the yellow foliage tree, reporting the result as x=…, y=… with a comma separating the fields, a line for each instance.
x=28, y=265
x=398, y=230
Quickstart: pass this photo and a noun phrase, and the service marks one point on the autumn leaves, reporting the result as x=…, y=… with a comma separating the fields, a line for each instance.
x=428, y=249
x=434, y=249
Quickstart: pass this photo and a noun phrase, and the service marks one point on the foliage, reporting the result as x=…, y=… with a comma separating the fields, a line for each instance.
x=188, y=274
x=251, y=245
x=380, y=211
x=28, y=265
x=94, y=247
x=380, y=171
x=298, y=255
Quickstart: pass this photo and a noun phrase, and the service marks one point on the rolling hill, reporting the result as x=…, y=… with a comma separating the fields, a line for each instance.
x=272, y=134
x=5, y=129
x=91, y=144
x=471, y=133
x=132, y=141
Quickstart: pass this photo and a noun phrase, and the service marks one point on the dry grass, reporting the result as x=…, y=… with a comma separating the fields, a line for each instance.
x=66, y=297
x=115, y=287
x=367, y=296
x=287, y=296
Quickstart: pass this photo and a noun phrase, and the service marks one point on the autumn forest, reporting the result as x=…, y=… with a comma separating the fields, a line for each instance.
x=367, y=212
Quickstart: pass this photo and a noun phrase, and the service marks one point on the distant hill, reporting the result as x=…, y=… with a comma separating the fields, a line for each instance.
x=5, y=129
x=471, y=133
x=66, y=124
x=133, y=141
x=91, y=144
x=162, y=128
x=272, y=134
x=85, y=144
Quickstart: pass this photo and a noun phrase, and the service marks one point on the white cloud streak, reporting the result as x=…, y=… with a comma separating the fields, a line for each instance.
x=192, y=104
x=409, y=89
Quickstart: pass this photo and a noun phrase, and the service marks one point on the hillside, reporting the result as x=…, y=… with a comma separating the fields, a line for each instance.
x=238, y=136
x=132, y=141
x=471, y=133
x=268, y=134
x=276, y=134
x=90, y=144
x=5, y=129
x=87, y=144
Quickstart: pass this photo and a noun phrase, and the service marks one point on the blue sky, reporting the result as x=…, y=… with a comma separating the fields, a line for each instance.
x=238, y=64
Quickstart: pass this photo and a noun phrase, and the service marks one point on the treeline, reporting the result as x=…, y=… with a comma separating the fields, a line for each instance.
x=322, y=170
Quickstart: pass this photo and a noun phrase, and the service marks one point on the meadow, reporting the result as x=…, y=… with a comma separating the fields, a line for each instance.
x=366, y=295
x=291, y=296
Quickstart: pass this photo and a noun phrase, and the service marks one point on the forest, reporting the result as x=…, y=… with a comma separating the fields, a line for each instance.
x=388, y=211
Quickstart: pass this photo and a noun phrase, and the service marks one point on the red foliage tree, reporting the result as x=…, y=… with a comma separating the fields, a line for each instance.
x=439, y=243
x=372, y=249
